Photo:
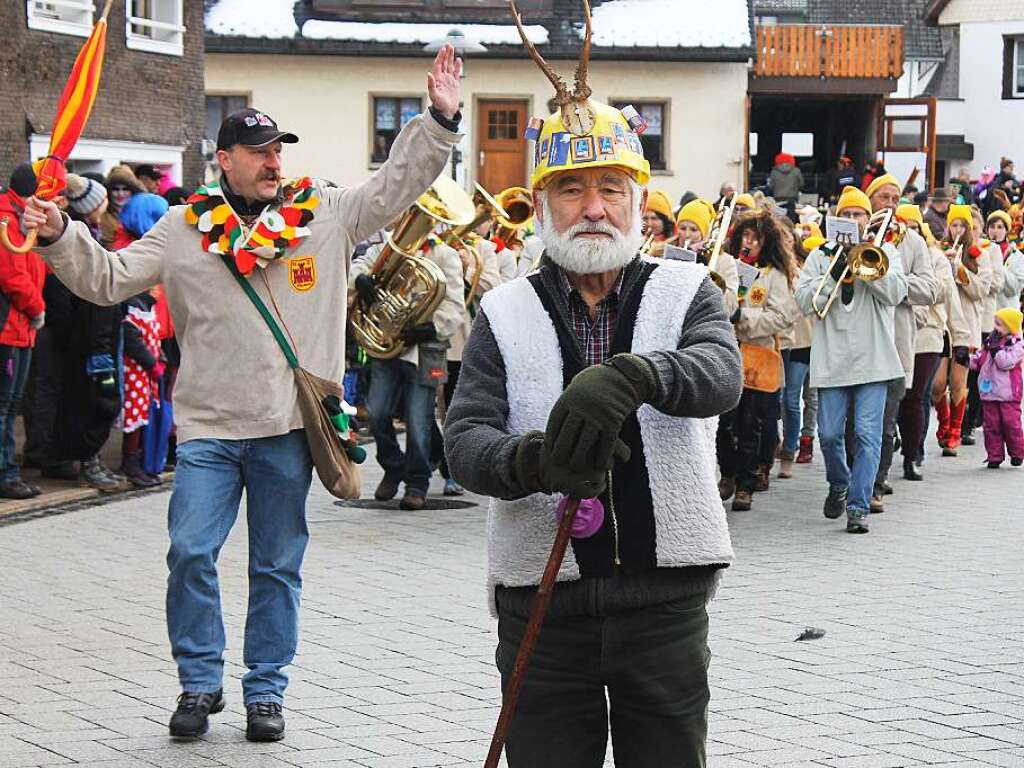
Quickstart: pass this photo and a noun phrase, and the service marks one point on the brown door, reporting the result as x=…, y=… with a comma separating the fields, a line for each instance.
x=501, y=148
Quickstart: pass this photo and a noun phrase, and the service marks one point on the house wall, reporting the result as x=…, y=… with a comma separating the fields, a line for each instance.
x=328, y=102
x=145, y=99
x=986, y=120
x=978, y=11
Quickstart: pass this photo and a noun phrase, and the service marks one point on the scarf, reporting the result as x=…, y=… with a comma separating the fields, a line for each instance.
x=280, y=225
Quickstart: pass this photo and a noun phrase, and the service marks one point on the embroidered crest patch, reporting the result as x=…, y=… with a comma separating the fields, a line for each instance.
x=302, y=273
x=757, y=296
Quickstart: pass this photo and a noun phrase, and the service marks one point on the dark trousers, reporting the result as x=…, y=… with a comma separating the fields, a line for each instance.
x=916, y=403
x=42, y=399
x=747, y=436
x=642, y=672
x=973, y=416
x=437, y=448
x=894, y=393
x=390, y=380
x=14, y=365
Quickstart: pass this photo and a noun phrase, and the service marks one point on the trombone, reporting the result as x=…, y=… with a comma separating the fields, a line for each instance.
x=716, y=236
x=867, y=261
x=465, y=238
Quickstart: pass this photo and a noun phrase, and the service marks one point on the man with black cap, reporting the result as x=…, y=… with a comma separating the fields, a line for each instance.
x=236, y=407
x=938, y=206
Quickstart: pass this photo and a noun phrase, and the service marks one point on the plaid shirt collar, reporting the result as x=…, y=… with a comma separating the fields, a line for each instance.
x=594, y=336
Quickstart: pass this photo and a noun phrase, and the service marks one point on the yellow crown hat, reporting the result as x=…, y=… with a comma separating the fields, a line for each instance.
x=583, y=133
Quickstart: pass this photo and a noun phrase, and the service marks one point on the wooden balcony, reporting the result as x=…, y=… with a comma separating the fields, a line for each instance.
x=829, y=51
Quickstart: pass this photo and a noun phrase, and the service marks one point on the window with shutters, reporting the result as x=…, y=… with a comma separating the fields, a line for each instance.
x=1013, y=67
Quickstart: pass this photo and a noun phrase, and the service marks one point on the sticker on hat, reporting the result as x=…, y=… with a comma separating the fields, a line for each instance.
x=533, y=129
x=636, y=121
x=583, y=149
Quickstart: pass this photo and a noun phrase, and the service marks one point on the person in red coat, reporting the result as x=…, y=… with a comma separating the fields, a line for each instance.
x=21, y=283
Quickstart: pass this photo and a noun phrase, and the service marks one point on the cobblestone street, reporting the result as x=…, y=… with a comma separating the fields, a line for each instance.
x=922, y=662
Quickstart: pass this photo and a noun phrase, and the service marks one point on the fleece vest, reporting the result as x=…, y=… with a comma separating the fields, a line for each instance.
x=662, y=507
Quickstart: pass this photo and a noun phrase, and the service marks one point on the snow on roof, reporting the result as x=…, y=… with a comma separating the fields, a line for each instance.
x=661, y=24
x=252, y=18
x=400, y=32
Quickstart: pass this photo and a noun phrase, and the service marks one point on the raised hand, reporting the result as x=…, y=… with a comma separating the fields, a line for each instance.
x=443, y=81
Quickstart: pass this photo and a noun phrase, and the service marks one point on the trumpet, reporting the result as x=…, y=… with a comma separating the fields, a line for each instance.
x=518, y=203
x=866, y=261
x=464, y=237
x=712, y=248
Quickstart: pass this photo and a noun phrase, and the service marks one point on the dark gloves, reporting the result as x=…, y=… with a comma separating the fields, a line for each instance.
x=538, y=474
x=994, y=340
x=418, y=334
x=366, y=287
x=583, y=427
x=962, y=356
x=839, y=267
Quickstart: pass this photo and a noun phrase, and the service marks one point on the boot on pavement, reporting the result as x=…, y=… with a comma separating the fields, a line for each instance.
x=806, y=453
x=910, y=470
x=835, y=502
x=264, y=721
x=742, y=501
x=942, y=419
x=387, y=489
x=763, y=479
x=94, y=475
x=726, y=487
x=191, y=719
x=131, y=467
x=956, y=418
x=785, y=465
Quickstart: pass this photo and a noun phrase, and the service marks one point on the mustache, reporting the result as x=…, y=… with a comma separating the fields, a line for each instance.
x=270, y=176
x=592, y=227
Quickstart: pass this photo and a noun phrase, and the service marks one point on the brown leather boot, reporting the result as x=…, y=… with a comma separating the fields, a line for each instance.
x=785, y=465
x=742, y=501
x=726, y=487
x=763, y=476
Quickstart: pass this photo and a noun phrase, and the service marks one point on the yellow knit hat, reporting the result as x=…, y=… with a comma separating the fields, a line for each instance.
x=1003, y=216
x=853, y=198
x=926, y=232
x=962, y=212
x=658, y=202
x=1012, y=319
x=813, y=242
x=882, y=181
x=745, y=198
x=698, y=211
x=908, y=212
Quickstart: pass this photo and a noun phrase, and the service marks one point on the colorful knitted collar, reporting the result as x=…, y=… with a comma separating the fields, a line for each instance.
x=280, y=226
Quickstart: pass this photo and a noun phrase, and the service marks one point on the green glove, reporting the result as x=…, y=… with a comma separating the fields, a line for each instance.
x=537, y=475
x=583, y=427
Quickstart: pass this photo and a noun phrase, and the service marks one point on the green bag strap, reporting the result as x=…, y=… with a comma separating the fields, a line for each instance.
x=254, y=297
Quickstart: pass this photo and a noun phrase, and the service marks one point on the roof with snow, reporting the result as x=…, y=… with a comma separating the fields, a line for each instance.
x=623, y=29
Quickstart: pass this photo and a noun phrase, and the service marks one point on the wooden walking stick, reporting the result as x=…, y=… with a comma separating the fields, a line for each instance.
x=540, y=608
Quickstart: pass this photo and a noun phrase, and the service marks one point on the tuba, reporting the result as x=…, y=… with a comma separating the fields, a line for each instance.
x=409, y=286
x=866, y=261
x=518, y=206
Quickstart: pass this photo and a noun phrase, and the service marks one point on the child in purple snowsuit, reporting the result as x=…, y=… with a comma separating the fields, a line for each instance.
x=998, y=364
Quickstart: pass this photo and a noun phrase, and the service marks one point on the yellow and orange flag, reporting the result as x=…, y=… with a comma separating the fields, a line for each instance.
x=73, y=110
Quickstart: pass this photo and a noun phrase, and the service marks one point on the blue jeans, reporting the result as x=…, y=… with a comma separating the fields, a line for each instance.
x=792, y=413
x=869, y=407
x=14, y=365
x=390, y=379
x=275, y=473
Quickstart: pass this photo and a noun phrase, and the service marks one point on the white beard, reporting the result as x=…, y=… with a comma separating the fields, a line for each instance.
x=590, y=256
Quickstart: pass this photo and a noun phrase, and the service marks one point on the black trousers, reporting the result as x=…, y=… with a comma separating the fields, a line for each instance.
x=641, y=672
x=437, y=440
x=747, y=437
x=916, y=404
x=42, y=399
x=973, y=415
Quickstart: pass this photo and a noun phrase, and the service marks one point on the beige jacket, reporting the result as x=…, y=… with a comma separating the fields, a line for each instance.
x=945, y=316
x=234, y=383
x=490, y=278
x=769, y=310
x=974, y=292
x=995, y=287
x=726, y=267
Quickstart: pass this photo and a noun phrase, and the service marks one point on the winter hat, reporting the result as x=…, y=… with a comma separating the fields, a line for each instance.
x=813, y=242
x=122, y=175
x=745, y=198
x=808, y=214
x=962, y=212
x=784, y=157
x=697, y=212
x=882, y=181
x=907, y=212
x=141, y=212
x=84, y=195
x=853, y=198
x=1012, y=319
x=23, y=180
x=658, y=202
x=1003, y=216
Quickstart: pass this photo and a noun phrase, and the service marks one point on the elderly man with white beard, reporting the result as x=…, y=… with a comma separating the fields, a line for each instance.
x=597, y=376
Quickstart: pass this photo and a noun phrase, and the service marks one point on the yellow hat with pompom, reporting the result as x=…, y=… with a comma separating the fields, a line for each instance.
x=851, y=197
x=658, y=202
x=1012, y=319
x=699, y=212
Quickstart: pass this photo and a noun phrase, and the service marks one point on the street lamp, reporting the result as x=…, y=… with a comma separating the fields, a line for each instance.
x=462, y=45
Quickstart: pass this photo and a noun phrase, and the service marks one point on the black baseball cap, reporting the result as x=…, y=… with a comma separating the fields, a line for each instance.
x=252, y=128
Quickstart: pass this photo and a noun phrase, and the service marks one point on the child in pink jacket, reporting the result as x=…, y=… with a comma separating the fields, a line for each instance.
x=998, y=364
